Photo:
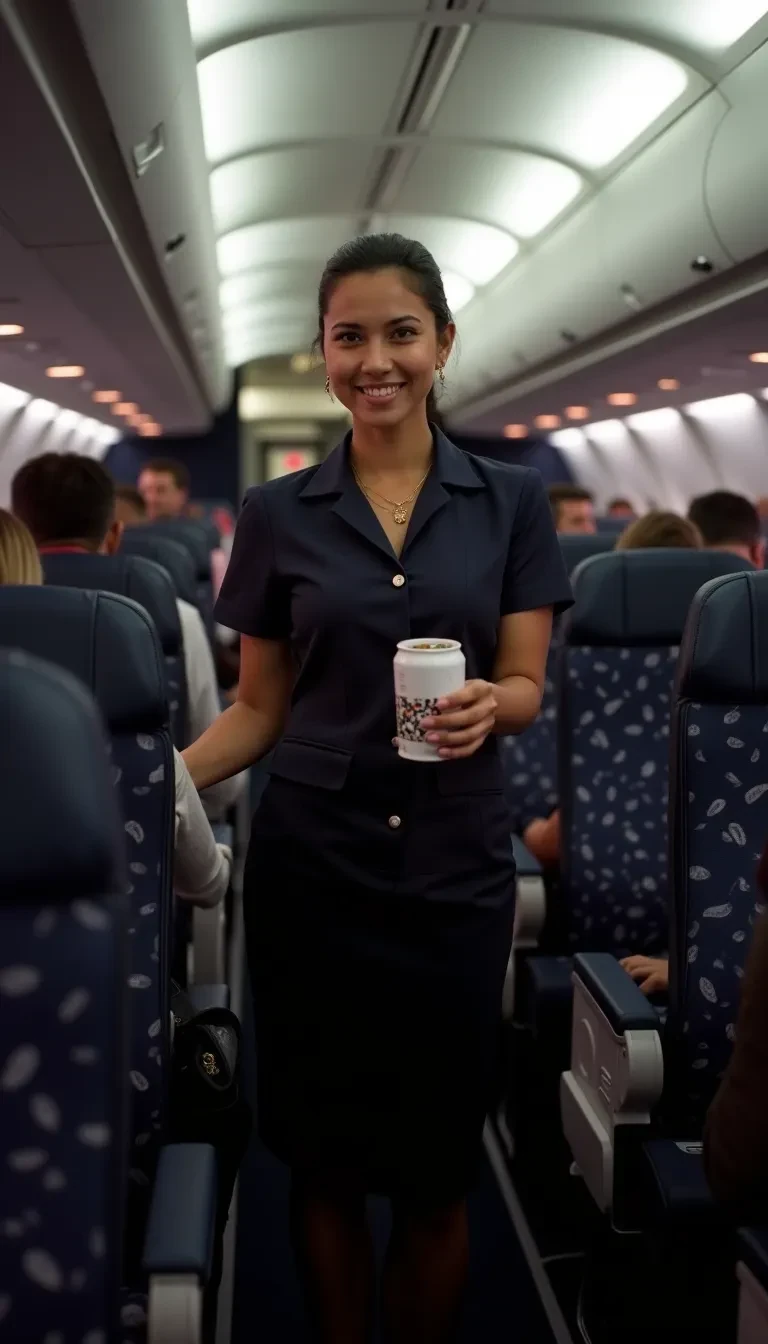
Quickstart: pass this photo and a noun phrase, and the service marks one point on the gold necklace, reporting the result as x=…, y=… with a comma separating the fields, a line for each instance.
x=399, y=510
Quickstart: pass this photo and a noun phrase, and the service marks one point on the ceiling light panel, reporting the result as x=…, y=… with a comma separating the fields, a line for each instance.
x=312, y=84
x=519, y=192
x=211, y=23
x=581, y=95
x=283, y=183
x=285, y=309
x=284, y=240
x=458, y=291
x=476, y=251
x=705, y=25
x=271, y=282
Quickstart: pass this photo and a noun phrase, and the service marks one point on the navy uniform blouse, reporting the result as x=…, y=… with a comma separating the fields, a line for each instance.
x=312, y=565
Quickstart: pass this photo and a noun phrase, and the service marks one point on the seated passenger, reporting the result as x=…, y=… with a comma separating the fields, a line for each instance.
x=729, y=522
x=19, y=560
x=573, y=509
x=164, y=486
x=130, y=509
x=201, y=867
x=736, y=1130
x=68, y=502
x=620, y=508
x=657, y=529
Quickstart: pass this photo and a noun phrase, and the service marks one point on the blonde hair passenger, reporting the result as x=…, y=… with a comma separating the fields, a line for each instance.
x=19, y=560
x=663, y=529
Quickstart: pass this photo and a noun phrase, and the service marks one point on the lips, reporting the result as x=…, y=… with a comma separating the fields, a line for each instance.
x=380, y=392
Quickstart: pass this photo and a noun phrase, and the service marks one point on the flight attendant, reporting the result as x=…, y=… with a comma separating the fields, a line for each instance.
x=378, y=891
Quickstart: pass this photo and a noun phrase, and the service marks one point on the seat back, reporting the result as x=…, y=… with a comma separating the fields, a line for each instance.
x=110, y=644
x=578, y=548
x=195, y=537
x=617, y=664
x=172, y=555
x=612, y=527
x=719, y=825
x=62, y=1005
x=145, y=582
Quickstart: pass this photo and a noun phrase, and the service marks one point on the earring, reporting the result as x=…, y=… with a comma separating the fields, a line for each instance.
x=328, y=387
x=441, y=374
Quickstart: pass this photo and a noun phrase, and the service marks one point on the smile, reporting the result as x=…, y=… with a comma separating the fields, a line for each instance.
x=381, y=391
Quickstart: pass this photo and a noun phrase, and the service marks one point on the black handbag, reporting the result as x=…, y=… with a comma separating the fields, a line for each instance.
x=206, y=1054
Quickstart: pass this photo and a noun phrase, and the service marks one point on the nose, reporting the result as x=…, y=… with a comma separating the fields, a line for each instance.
x=376, y=359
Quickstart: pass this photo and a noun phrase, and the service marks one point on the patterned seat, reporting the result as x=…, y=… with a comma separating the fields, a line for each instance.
x=63, y=1099
x=144, y=582
x=110, y=643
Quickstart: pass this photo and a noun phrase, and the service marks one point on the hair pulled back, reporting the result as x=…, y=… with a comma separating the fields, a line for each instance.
x=382, y=252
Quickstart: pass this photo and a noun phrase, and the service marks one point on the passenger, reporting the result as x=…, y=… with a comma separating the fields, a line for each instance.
x=201, y=867
x=19, y=560
x=657, y=529
x=729, y=522
x=736, y=1130
x=573, y=509
x=164, y=486
x=68, y=503
x=378, y=894
x=620, y=508
x=130, y=509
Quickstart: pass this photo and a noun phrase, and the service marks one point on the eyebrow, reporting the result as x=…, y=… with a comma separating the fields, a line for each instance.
x=393, y=322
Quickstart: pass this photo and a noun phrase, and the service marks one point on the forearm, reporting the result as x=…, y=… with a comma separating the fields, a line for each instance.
x=236, y=739
x=519, y=699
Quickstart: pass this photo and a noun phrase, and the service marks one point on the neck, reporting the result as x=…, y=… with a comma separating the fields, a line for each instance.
x=406, y=447
x=733, y=548
x=70, y=544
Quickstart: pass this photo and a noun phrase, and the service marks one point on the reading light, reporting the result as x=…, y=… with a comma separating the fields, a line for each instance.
x=151, y=431
x=105, y=398
x=577, y=412
x=547, y=422
x=10, y=329
x=125, y=408
x=65, y=371
x=515, y=431
x=621, y=398
x=668, y=384
x=759, y=357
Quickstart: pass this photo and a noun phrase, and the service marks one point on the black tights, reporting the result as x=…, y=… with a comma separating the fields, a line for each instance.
x=424, y=1273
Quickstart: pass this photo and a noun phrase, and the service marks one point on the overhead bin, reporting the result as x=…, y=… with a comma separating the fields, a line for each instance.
x=736, y=181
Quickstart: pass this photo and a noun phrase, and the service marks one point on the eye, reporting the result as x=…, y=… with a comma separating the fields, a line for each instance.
x=403, y=333
x=346, y=337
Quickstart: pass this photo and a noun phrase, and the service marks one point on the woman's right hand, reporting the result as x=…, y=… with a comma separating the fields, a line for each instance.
x=650, y=973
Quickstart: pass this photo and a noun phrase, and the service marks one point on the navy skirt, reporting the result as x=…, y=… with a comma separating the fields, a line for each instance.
x=379, y=924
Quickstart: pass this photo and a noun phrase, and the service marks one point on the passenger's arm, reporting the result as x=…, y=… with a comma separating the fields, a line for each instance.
x=736, y=1131
x=201, y=868
x=250, y=728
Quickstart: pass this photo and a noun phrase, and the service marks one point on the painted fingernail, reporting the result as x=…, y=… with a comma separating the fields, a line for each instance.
x=433, y=737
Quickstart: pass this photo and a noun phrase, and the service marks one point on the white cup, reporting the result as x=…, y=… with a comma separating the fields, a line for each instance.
x=425, y=670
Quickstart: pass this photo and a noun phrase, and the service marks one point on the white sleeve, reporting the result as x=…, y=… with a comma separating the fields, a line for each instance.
x=201, y=868
x=203, y=704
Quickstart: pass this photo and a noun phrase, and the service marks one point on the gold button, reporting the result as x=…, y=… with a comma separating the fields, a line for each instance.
x=394, y=822
x=398, y=580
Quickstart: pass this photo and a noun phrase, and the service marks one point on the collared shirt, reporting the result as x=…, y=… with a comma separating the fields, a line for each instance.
x=312, y=565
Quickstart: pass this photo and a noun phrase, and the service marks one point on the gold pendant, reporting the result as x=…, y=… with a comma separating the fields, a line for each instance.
x=400, y=514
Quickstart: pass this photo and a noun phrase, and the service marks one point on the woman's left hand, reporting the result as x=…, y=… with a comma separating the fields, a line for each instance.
x=464, y=720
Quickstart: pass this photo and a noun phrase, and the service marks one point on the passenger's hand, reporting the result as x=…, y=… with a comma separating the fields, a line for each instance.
x=650, y=973
x=464, y=720
x=541, y=838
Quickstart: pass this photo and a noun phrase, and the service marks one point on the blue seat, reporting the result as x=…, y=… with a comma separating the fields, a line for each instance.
x=195, y=537
x=62, y=1011
x=580, y=547
x=110, y=644
x=144, y=582
x=718, y=825
x=612, y=527
x=172, y=555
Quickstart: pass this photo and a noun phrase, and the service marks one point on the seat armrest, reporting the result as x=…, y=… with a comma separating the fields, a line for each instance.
x=182, y=1216
x=615, y=992
x=526, y=864
x=208, y=996
x=209, y=944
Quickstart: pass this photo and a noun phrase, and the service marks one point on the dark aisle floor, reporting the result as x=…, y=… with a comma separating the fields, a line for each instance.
x=502, y=1304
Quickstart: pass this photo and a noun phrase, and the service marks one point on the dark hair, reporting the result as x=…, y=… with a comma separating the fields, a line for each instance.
x=620, y=503
x=172, y=467
x=562, y=492
x=384, y=252
x=64, y=497
x=130, y=495
x=725, y=519
x=660, y=528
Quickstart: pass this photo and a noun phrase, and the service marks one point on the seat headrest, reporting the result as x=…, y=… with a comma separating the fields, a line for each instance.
x=639, y=597
x=173, y=557
x=577, y=547
x=60, y=834
x=724, y=653
x=134, y=576
x=106, y=640
x=188, y=533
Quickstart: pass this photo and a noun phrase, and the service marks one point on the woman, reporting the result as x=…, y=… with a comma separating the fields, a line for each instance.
x=378, y=891
x=542, y=835
x=201, y=867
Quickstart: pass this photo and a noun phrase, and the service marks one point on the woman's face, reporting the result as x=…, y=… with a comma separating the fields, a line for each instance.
x=381, y=347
